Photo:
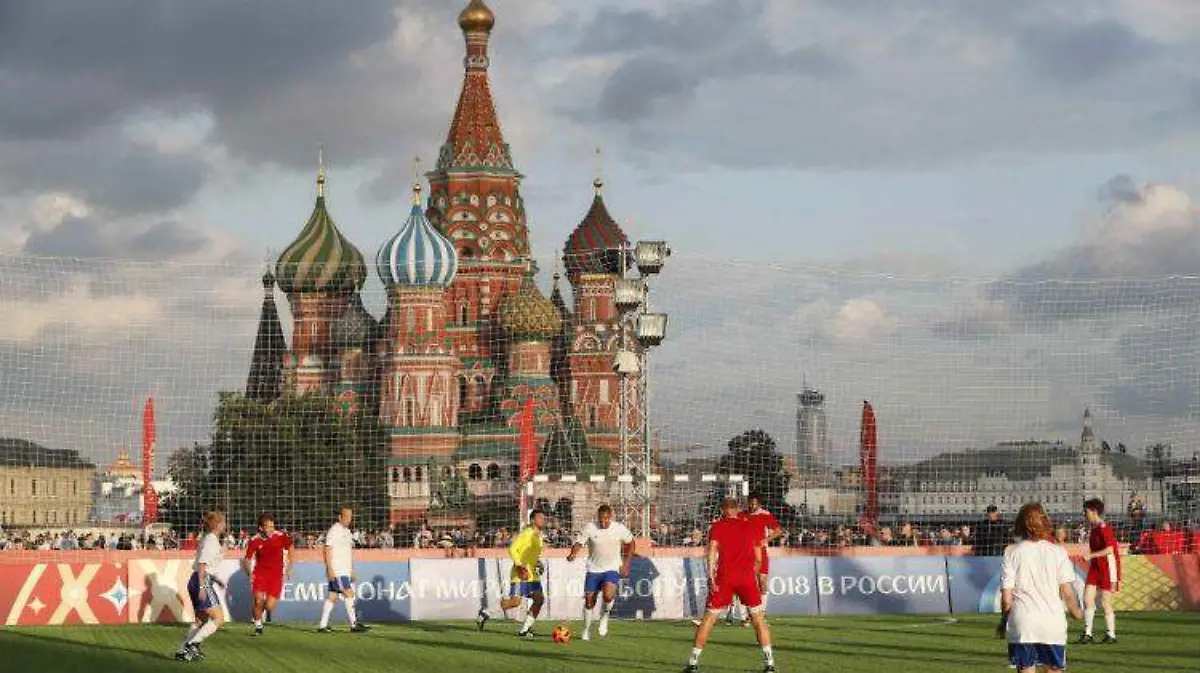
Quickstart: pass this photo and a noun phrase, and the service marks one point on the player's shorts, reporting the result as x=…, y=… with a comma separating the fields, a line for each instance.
x=1102, y=574
x=1029, y=655
x=340, y=585
x=745, y=587
x=270, y=584
x=524, y=589
x=594, y=582
x=211, y=599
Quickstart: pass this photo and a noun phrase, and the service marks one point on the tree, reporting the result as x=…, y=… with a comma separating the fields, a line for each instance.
x=753, y=455
x=297, y=457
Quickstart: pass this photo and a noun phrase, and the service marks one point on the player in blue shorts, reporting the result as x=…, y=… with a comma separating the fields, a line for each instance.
x=206, y=602
x=525, y=582
x=610, y=550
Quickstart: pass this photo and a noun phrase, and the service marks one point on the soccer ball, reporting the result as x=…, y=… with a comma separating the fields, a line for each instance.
x=561, y=634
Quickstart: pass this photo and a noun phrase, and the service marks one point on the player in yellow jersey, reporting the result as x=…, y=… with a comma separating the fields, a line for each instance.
x=525, y=580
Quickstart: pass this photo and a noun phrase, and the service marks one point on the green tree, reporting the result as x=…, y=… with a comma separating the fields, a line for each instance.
x=297, y=456
x=754, y=456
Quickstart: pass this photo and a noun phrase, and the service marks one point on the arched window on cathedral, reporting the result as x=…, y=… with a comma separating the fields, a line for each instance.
x=410, y=413
x=464, y=401
x=593, y=417
x=408, y=475
x=395, y=476
x=462, y=314
x=475, y=472
x=493, y=472
x=417, y=476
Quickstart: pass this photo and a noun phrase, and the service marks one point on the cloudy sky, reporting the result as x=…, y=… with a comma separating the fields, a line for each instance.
x=975, y=213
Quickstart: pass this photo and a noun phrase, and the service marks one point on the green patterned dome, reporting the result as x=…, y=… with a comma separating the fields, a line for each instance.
x=528, y=315
x=321, y=259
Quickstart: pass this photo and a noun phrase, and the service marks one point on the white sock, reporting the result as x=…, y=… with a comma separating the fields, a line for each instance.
x=768, y=656
x=528, y=623
x=326, y=610
x=695, y=658
x=1089, y=618
x=587, y=619
x=1110, y=622
x=209, y=628
x=191, y=633
x=258, y=623
x=350, y=611
x=605, y=610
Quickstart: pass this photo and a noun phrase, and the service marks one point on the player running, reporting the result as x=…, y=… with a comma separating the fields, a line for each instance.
x=525, y=581
x=339, y=570
x=1036, y=580
x=206, y=602
x=266, y=562
x=610, y=551
x=735, y=549
x=1103, y=575
x=771, y=531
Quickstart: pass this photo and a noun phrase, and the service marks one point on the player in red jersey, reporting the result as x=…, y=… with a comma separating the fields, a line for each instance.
x=267, y=553
x=1103, y=575
x=759, y=517
x=735, y=552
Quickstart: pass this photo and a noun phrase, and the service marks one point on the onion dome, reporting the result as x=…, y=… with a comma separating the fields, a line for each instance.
x=528, y=315
x=595, y=245
x=476, y=18
x=321, y=259
x=417, y=255
x=355, y=329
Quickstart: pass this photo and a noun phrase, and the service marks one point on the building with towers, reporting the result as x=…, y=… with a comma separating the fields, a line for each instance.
x=467, y=337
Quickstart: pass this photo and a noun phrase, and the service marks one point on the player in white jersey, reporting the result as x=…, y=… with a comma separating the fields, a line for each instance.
x=206, y=602
x=610, y=551
x=1036, y=583
x=339, y=570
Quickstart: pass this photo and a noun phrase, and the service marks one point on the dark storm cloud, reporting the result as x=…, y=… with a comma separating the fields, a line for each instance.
x=1121, y=188
x=89, y=238
x=671, y=55
x=1069, y=53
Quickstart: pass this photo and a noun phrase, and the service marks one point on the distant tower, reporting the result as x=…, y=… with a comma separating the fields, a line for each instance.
x=319, y=271
x=593, y=261
x=812, y=436
x=1087, y=459
x=531, y=322
x=419, y=391
x=265, y=382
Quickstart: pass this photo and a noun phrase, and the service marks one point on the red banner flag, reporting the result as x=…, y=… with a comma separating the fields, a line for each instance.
x=526, y=441
x=149, y=438
x=868, y=458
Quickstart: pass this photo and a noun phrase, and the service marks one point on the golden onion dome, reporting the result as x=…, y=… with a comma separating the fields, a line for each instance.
x=528, y=315
x=476, y=18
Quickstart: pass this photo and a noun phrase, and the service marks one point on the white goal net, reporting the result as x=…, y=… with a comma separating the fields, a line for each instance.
x=978, y=388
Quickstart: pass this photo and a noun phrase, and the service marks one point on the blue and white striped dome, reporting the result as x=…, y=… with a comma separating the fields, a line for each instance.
x=417, y=256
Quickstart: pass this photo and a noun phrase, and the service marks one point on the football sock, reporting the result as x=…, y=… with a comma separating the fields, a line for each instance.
x=187, y=637
x=209, y=628
x=587, y=619
x=350, y=611
x=694, y=660
x=258, y=623
x=1089, y=618
x=326, y=610
x=768, y=656
x=1110, y=622
x=528, y=623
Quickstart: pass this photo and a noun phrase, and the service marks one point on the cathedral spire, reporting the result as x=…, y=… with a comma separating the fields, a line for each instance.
x=265, y=382
x=475, y=140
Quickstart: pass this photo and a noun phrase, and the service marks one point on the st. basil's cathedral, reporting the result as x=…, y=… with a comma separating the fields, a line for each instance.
x=467, y=337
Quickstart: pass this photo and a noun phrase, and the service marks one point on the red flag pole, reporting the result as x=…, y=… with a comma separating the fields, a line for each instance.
x=868, y=457
x=527, y=443
x=149, y=440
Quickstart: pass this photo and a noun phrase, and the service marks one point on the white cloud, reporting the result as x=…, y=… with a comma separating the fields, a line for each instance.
x=87, y=318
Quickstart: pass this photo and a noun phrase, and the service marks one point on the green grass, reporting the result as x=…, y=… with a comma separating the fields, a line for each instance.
x=892, y=644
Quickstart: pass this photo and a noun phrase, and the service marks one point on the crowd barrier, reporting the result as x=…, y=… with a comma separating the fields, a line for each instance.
x=47, y=588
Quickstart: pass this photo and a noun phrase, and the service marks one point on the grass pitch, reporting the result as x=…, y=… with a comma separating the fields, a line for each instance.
x=891, y=644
